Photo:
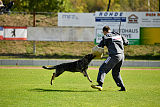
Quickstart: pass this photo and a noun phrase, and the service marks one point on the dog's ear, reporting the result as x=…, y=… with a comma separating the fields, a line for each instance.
x=86, y=56
x=92, y=55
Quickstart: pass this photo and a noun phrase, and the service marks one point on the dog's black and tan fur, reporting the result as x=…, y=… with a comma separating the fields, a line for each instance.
x=76, y=66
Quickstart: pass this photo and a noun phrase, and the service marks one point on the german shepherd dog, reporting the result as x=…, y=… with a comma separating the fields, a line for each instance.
x=76, y=66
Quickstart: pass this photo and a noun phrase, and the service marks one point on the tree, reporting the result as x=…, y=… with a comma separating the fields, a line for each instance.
x=96, y=5
x=83, y=5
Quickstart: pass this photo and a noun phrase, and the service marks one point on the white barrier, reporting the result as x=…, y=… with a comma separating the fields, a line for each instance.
x=60, y=34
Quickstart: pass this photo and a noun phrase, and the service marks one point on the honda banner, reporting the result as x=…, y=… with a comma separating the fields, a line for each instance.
x=126, y=23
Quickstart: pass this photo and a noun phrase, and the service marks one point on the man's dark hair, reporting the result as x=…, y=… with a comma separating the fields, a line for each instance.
x=106, y=28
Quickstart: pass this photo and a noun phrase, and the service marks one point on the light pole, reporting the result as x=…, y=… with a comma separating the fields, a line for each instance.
x=149, y=5
x=109, y=5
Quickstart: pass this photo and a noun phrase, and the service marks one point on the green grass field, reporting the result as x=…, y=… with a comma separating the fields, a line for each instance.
x=31, y=88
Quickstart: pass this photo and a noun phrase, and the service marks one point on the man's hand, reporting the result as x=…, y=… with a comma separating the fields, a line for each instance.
x=98, y=51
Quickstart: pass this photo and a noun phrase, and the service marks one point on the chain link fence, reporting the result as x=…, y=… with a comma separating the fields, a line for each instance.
x=41, y=19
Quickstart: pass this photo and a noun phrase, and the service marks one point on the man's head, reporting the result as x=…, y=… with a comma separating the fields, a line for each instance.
x=106, y=29
x=1, y=3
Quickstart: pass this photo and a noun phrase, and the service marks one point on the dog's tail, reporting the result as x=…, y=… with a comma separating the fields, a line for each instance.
x=49, y=68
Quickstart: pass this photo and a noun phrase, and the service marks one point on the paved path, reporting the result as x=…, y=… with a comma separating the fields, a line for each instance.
x=35, y=62
x=90, y=68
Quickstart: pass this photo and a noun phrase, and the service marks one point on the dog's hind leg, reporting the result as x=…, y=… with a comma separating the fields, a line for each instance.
x=53, y=76
x=56, y=74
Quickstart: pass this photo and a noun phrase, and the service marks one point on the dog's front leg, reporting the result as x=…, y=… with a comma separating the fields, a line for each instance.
x=53, y=76
x=86, y=75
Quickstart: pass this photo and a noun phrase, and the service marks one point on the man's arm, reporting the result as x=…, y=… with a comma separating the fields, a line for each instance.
x=101, y=44
x=98, y=50
x=125, y=41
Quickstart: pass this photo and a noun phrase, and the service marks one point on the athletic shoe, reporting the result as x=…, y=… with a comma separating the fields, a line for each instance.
x=97, y=87
x=122, y=89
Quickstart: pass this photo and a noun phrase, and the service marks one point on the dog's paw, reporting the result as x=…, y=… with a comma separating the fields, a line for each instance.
x=51, y=83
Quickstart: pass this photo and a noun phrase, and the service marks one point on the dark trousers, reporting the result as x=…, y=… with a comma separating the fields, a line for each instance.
x=113, y=62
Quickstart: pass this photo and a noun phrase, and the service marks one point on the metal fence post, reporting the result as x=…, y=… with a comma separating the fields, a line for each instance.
x=34, y=24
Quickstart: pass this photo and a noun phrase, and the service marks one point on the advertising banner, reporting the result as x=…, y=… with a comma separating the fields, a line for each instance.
x=15, y=33
x=126, y=23
x=76, y=19
x=149, y=19
x=1, y=33
x=150, y=35
x=150, y=28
